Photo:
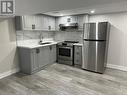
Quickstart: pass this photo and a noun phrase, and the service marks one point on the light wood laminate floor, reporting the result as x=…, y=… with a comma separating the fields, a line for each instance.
x=58, y=79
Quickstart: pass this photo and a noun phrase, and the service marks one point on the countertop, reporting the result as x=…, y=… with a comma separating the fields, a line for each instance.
x=31, y=44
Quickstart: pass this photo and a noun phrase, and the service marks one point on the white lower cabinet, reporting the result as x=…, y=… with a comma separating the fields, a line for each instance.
x=47, y=55
x=33, y=60
x=77, y=55
x=52, y=54
x=43, y=56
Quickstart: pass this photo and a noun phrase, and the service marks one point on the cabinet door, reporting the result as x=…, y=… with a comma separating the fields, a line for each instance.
x=51, y=23
x=32, y=22
x=28, y=22
x=48, y=23
x=67, y=19
x=38, y=22
x=34, y=60
x=78, y=55
x=45, y=23
x=81, y=20
x=62, y=20
x=52, y=54
x=43, y=56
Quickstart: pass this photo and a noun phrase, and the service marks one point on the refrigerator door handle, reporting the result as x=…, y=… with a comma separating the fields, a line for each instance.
x=94, y=40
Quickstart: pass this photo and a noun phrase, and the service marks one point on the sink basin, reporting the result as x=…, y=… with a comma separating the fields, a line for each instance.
x=44, y=43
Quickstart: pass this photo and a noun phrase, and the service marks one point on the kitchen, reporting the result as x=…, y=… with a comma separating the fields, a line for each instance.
x=39, y=37
x=52, y=31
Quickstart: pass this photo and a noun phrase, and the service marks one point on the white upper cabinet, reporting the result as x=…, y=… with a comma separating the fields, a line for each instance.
x=29, y=22
x=32, y=22
x=52, y=23
x=45, y=22
x=35, y=22
x=67, y=19
x=48, y=23
x=38, y=23
x=81, y=20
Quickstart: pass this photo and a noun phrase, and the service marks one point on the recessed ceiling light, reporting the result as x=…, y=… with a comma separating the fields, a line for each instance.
x=92, y=11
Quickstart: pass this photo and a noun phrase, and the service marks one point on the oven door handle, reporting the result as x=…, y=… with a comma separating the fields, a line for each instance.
x=66, y=47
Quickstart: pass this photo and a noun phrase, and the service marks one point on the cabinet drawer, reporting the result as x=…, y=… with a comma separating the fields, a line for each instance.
x=78, y=49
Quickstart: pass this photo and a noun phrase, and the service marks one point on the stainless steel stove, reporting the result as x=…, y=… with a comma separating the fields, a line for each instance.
x=65, y=52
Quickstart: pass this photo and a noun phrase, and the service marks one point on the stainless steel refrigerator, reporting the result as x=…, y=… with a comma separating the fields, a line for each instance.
x=95, y=46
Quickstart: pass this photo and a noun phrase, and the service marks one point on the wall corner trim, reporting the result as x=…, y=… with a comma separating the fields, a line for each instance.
x=8, y=73
x=118, y=67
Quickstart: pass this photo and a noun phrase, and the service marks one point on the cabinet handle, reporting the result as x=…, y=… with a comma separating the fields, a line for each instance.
x=50, y=47
x=77, y=60
x=49, y=27
x=33, y=26
x=69, y=20
x=37, y=51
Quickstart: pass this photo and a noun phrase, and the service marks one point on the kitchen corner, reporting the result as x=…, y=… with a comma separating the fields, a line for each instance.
x=34, y=56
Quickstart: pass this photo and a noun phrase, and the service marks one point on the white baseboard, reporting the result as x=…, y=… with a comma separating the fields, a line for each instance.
x=8, y=73
x=118, y=67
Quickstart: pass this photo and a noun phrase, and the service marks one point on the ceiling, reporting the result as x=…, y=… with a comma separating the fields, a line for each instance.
x=99, y=9
x=69, y=7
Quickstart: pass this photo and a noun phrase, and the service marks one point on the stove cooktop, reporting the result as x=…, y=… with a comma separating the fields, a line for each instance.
x=71, y=41
x=68, y=43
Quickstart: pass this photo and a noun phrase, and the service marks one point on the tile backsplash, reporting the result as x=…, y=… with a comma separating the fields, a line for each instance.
x=27, y=35
x=72, y=36
x=57, y=36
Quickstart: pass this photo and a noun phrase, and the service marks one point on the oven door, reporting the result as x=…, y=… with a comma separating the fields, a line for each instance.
x=65, y=52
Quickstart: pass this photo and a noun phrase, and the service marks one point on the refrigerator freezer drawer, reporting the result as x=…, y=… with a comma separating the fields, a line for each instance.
x=94, y=56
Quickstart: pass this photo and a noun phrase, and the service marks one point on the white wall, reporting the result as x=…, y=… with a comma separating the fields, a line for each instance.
x=8, y=53
x=117, y=54
x=29, y=35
